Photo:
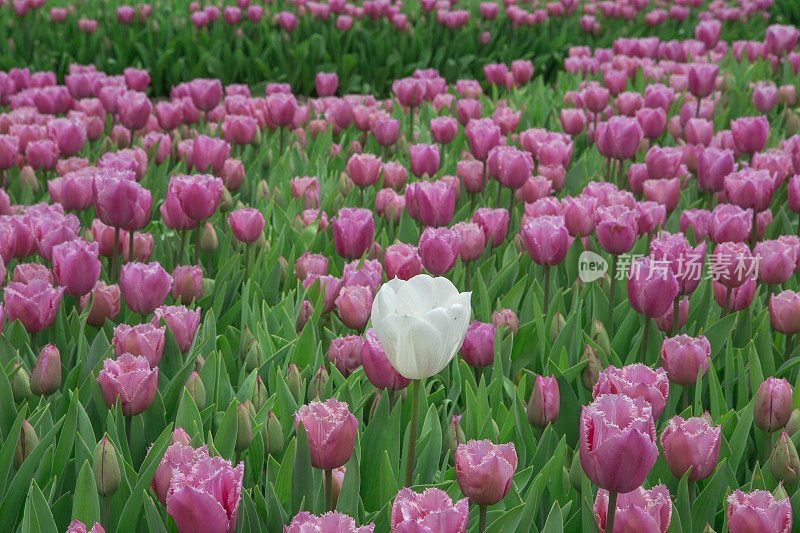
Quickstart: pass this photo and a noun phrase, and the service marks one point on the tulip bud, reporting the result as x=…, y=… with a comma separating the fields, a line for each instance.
x=295, y=382
x=556, y=326
x=263, y=190
x=199, y=361
x=454, y=436
x=196, y=390
x=519, y=244
x=20, y=385
x=794, y=422
x=303, y=315
x=709, y=529
x=791, y=123
x=591, y=372
x=244, y=433
x=252, y=360
x=284, y=266
x=208, y=240
x=374, y=406
x=260, y=395
x=780, y=493
x=247, y=341
x=272, y=434
x=27, y=178
x=277, y=196
x=316, y=389
x=26, y=442
x=600, y=337
x=46, y=373
x=544, y=403
x=226, y=200
x=106, y=468
x=784, y=463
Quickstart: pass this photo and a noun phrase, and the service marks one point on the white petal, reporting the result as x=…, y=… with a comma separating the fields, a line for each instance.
x=415, y=299
x=445, y=291
x=384, y=304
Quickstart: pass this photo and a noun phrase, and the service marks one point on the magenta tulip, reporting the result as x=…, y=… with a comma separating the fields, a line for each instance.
x=377, y=368
x=130, y=379
x=636, y=381
x=345, y=353
x=353, y=229
x=144, y=286
x=758, y=511
x=247, y=224
x=431, y=511
x=105, y=303
x=691, y=443
x=478, y=347
x=683, y=356
x=145, y=340
x=484, y=471
x=354, y=304
x=402, y=261
x=439, y=249
x=76, y=266
x=305, y=522
x=34, y=304
x=544, y=402
x=773, y=404
x=182, y=322
x=638, y=510
x=784, y=312
x=331, y=431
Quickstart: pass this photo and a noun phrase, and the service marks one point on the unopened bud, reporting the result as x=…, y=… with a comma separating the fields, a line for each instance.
x=272, y=433
x=26, y=442
x=794, y=422
x=20, y=384
x=591, y=372
x=46, y=373
x=196, y=390
x=295, y=382
x=316, y=389
x=244, y=433
x=303, y=315
x=556, y=326
x=208, y=240
x=260, y=395
x=784, y=463
x=27, y=178
x=600, y=337
x=106, y=468
x=453, y=437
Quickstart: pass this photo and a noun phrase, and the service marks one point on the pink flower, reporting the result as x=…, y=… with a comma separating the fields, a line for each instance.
x=345, y=353
x=691, y=443
x=353, y=230
x=750, y=133
x=638, y=510
x=431, y=511
x=617, y=442
x=34, y=304
x=683, y=356
x=247, y=224
x=145, y=340
x=773, y=404
x=439, y=248
x=402, y=261
x=616, y=228
x=354, y=305
x=484, y=471
x=364, y=169
x=758, y=511
x=424, y=159
x=187, y=283
x=76, y=266
x=494, y=223
x=784, y=312
x=482, y=136
x=547, y=239
x=331, y=431
x=205, y=93
x=76, y=526
x=120, y=202
x=182, y=322
x=332, y=521
x=544, y=402
x=377, y=367
x=144, y=286
x=478, y=347
x=199, y=195
x=636, y=381
x=130, y=379
x=105, y=303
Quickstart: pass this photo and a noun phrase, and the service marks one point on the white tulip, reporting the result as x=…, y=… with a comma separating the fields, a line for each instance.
x=421, y=323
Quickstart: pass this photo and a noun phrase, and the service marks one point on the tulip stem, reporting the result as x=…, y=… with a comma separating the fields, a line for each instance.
x=481, y=518
x=329, y=490
x=130, y=246
x=612, y=509
x=767, y=446
x=645, y=333
x=675, y=312
x=788, y=347
x=546, y=288
x=179, y=251
x=246, y=261
x=197, y=234
x=114, y=253
x=611, y=296
x=727, y=301
x=753, y=229
x=128, y=423
x=280, y=145
x=620, y=174
x=685, y=397
x=466, y=275
x=412, y=433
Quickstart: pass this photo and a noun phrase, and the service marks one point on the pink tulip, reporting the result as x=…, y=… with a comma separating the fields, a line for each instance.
x=776, y=260
x=685, y=262
x=247, y=224
x=431, y=202
x=749, y=189
x=443, y=129
x=683, y=356
x=482, y=136
x=544, y=403
x=773, y=404
x=478, y=347
x=187, y=283
x=199, y=195
x=76, y=266
x=547, y=239
x=133, y=110
x=750, y=133
x=353, y=230
x=651, y=288
x=205, y=93
x=636, y=381
x=368, y=274
x=209, y=153
x=130, y=380
x=617, y=442
x=182, y=322
x=27, y=272
x=377, y=368
x=652, y=121
x=354, y=305
x=506, y=320
x=484, y=471
x=758, y=511
x=331, y=431
x=386, y=131
x=364, y=169
x=305, y=522
x=702, y=78
x=713, y=165
x=424, y=159
x=330, y=286
x=618, y=138
x=468, y=109
x=394, y=176
x=326, y=83
x=431, y=511
x=494, y=223
x=509, y=166
x=638, y=510
x=439, y=249
x=729, y=223
x=144, y=286
x=239, y=129
x=691, y=443
x=345, y=353
x=737, y=298
x=34, y=304
x=120, y=202
x=733, y=264
x=105, y=303
x=616, y=228
x=784, y=312
x=281, y=108
x=780, y=39
x=402, y=261
x=145, y=340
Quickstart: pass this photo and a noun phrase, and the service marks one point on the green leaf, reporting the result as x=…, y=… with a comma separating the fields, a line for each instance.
x=225, y=439
x=38, y=518
x=303, y=489
x=554, y=523
x=188, y=416
x=86, y=504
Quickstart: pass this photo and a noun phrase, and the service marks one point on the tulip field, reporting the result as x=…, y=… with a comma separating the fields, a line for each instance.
x=422, y=266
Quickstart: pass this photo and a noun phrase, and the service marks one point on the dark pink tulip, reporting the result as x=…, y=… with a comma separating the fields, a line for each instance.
x=50, y=232
x=105, y=303
x=386, y=131
x=125, y=14
x=326, y=83
x=615, y=80
x=628, y=103
x=76, y=266
x=439, y=248
x=9, y=151
x=636, y=380
x=232, y=15
x=773, y=404
x=34, y=304
x=472, y=239
x=187, y=283
x=305, y=522
x=713, y=165
x=42, y=154
x=749, y=189
x=758, y=511
x=776, y=261
x=281, y=108
x=682, y=357
x=443, y=129
x=76, y=526
x=619, y=137
x=685, y=262
x=402, y=261
x=765, y=96
x=468, y=109
x=136, y=79
x=169, y=114
x=544, y=402
x=652, y=121
x=616, y=228
x=390, y=205
x=429, y=511
x=665, y=192
x=484, y=470
x=750, y=133
x=69, y=135
x=470, y=172
x=780, y=39
x=702, y=78
x=205, y=93
x=364, y=169
x=199, y=195
x=547, y=239
x=522, y=70
x=310, y=264
x=209, y=153
x=506, y=320
x=142, y=246
x=158, y=145
x=331, y=430
x=578, y=213
x=732, y=264
x=478, y=347
x=738, y=298
x=432, y=203
x=205, y=495
x=595, y=97
x=133, y=110
x=573, y=121
x=247, y=224
x=376, y=365
x=27, y=272
x=330, y=285
x=494, y=223
x=354, y=305
x=144, y=286
x=145, y=340
x=617, y=441
x=409, y=92
x=784, y=312
x=131, y=380
x=729, y=223
x=638, y=510
x=708, y=32
x=369, y=274
x=353, y=230
x=663, y=163
x=120, y=202
x=509, y=166
x=345, y=353
x=777, y=162
x=482, y=136
x=691, y=443
x=424, y=159
x=239, y=129
x=665, y=323
x=182, y=322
